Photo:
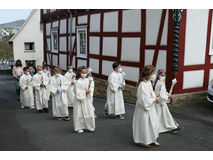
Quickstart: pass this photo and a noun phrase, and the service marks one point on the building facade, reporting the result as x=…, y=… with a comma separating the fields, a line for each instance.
x=135, y=38
x=28, y=41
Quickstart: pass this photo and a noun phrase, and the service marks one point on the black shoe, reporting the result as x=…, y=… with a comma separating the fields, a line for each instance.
x=174, y=131
x=45, y=110
x=106, y=113
x=59, y=118
x=120, y=117
x=40, y=111
x=66, y=118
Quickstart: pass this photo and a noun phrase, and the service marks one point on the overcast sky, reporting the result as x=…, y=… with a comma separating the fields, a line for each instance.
x=9, y=15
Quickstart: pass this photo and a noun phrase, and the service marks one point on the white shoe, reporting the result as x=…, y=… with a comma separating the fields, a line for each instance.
x=80, y=131
x=22, y=106
x=92, y=130
x=121, y=117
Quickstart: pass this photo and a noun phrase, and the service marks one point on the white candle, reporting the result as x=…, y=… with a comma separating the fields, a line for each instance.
x=174, y=81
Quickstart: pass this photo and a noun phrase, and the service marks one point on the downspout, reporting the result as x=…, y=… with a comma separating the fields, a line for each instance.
x=43, y=28
x=177, y=15
x=69, y=10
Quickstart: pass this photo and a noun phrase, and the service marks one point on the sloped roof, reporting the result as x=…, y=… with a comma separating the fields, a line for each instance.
x=28, y=18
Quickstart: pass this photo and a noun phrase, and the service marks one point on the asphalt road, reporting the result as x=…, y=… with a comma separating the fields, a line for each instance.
x=27, y=130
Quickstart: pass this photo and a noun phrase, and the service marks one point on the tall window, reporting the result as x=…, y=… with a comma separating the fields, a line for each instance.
x=54, y=40
x=82, y=42
x=29, y=46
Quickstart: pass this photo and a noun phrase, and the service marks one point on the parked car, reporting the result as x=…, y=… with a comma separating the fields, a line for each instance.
x=210, y=92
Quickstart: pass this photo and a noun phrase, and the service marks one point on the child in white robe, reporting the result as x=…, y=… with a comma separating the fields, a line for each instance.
x=46, y=71
x=40, y=82
x=83, y=112
x=115, y=101
x=166, y=121
x=26, y=92
x=58, y=90
x=70, y=77
x=145, y=119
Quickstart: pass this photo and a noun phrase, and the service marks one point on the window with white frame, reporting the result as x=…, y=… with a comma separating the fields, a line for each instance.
x=82, y=42
x=54, y=41
x=211, y=40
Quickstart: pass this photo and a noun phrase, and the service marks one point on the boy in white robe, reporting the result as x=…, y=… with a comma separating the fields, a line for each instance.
x=166, y=121
x=40, y=82
x=58, y=90
x=70, y=77
x=115, y=101
x=26, y=92
x=145, y=120
x=83, y=112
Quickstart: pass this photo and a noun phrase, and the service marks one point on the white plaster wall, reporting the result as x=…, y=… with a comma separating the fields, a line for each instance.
x=82, y=62
x=110, y=46
x=73, y=25
x=52, y=10
x=73, y=40
x=95, y=22
x=48, y=59
x=149, y=54
x=82, y=19
x=31, y=32
x=63, y=44
x=63, y=61
x=131, y=21
x=94, y=43
x=211, y=42
x=55, y=60
x=161, y=60
x=165, y=30
x=193, y=79
x=153, y=17
x=55, y=24
x=63, y=26
x=195, y=41
x=73, y=62
x=94, y=64
x=107, y=67
x=110, y=22
x=44, y=11
x=130, y=49
x=48, y=44
x=132, y=73
x=48, y=25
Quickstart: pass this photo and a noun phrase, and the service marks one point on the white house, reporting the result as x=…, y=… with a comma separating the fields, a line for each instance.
x=4, y=32
x=28, y=41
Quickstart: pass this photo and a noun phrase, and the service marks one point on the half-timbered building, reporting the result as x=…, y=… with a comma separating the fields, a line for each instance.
x=97, y=38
